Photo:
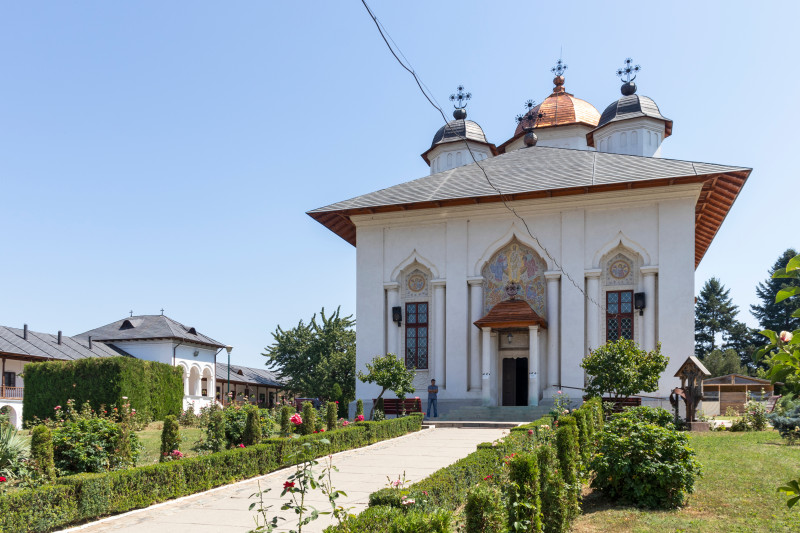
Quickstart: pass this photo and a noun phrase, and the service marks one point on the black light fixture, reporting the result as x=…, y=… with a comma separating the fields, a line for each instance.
x=397, y=315
x=638, y=302
x=510, y=336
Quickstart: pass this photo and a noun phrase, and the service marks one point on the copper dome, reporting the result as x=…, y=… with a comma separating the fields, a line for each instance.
x=562, y=108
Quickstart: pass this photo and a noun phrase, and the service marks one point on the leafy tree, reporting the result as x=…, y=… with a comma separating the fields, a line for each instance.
x=312, y=358
x=714, y=314
x=774, y=314
x=389, y=373
x=620, y=368
x=721, y=363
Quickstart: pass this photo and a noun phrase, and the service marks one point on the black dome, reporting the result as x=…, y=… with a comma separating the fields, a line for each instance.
x=632, y=106
x=458, y=130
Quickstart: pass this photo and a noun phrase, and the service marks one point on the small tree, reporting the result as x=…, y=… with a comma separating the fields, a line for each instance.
x=170, y=436
x=42, y=451
x=330, y=415
x=215, y=432
x=252, y=427
x=484, y=511
x=620, y=368
x=389, y=373
x=360, y=408
x=309, y=424
x=286, y=423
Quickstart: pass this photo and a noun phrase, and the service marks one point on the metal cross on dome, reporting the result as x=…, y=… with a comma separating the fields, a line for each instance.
x=529, y=119
x=559, y=69
x=625, y=72
x=461, y=97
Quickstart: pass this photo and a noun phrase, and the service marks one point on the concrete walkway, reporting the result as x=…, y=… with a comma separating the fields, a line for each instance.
x=361, y=472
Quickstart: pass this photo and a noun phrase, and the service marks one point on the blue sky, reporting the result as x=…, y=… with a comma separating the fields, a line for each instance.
x=163, y=154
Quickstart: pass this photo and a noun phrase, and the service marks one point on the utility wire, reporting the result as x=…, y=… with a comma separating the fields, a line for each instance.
x=503, y=197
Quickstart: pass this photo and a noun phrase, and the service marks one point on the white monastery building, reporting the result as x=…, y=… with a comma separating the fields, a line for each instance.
x=500, y=307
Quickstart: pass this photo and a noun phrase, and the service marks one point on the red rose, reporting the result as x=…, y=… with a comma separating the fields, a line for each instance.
x=2, y=479
x=288, y=485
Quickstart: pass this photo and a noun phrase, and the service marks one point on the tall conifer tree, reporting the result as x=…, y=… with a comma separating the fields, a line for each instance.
x=771, y=315
x=714, y=314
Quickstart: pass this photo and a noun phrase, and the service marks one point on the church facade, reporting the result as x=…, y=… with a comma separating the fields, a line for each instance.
x=498, y=272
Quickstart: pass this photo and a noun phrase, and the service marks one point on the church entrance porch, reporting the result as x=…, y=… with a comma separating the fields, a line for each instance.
x=515, y=381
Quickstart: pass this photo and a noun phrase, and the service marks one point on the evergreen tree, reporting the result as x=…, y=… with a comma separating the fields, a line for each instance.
x=714, y=314
x=721, y=363
x=771, y=315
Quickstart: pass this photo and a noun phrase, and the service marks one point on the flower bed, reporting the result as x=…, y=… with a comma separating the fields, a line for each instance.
x=90, y=496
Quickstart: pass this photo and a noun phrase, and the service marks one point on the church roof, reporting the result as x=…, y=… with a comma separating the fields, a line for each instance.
x=628, y=107
x=541, y=172
x=13, y=342
x=457, y=131
x=244, y=374
x=149, y=327
x=511, y=314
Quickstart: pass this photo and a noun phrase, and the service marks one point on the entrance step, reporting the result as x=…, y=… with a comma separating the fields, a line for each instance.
x=518, y=414
x=471, y=424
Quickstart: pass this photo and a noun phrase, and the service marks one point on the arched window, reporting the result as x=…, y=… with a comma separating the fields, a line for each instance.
x=459, y=159
x=634, y=138
x=623, y=140
x=416, y=292
x=620, y=280
x=450, y=160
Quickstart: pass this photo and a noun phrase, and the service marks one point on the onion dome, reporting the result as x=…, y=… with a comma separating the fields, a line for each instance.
x=561, y=109
x=631, y=106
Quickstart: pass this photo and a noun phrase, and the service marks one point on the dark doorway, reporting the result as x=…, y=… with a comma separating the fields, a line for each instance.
x=515, y=381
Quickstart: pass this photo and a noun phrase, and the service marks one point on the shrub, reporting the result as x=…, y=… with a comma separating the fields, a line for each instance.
x=91, y=445
x=309, y=416
x=419, y=521
x=484, y=510
x=644, y=464
x=215, y=431
x=170, y=437
x=755, y=415
x=286, y=423
x=788, y=424
x=648, y=415
x=42, y=452
x=235, y=421
x=582, y=423
x=360, y=407
x=553, y=492
x=330, y=415
x=524, y=505
x=154, y=389
x=13, y=451
x=252, y=428
x=567, y=447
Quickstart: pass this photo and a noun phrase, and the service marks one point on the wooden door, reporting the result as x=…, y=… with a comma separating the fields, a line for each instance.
x=509, y=381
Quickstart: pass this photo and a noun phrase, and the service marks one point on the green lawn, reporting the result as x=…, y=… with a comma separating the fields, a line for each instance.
x=741, y=472
x=151, y=440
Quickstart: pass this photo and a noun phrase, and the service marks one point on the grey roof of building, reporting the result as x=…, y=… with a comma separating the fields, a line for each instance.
x=628, y=107
x=256, y=376
x=147, y=327
x=46, y=345
x=458, y=130
x=537, y=168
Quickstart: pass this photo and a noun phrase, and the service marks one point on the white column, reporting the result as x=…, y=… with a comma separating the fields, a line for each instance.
x=486, y=366
x=592, y=310
x=438, y=333
x=392, y=336
x=553, y=334
x=649, y=326
x=185, y=383
x=476, y=312
x=533, y=366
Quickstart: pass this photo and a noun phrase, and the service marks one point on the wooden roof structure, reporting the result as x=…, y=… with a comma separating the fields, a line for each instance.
x=511, y=314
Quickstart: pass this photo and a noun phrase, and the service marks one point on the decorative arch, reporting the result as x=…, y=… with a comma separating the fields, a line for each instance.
x=13, y=416
x=194, y=380
x=517, y=264
x=513, y=233
x=414, y=257
x=620, y=240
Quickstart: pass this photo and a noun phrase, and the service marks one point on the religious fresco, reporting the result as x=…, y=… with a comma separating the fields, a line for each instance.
x=518, y=263
x=619, y=270
x=415, y=284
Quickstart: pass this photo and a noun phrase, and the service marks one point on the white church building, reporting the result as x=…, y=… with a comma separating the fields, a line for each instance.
x=497, y=277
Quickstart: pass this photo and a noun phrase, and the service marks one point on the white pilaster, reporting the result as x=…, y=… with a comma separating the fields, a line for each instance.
x=494, y=364
x=553, y=321
x=486, y=367
x=476, y=312
x=649, y=278
x=533, y=366
x=592, y=309
x=392, y=331
x=573, y=299
x=439, y=333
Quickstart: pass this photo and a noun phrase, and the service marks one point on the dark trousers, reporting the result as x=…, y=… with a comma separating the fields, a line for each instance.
x=433, y=402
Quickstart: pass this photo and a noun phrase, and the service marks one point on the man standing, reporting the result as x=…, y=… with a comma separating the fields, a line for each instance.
x=433, y=394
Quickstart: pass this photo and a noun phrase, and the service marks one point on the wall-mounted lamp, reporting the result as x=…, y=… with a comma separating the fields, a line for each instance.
x=510, y=337
x=397, y=315
x=638, y=302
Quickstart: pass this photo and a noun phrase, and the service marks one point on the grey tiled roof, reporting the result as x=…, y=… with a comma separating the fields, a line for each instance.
x=458, y=130
x=531, y=169
x=256, y=376
x=631, y=106
x=144, y=327
x=46, y=345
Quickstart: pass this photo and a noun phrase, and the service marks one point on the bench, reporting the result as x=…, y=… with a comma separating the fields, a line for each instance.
x=622, y=403
x=395, y=406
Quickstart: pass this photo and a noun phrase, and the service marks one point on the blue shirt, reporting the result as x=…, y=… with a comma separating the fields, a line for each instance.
x=433, y=392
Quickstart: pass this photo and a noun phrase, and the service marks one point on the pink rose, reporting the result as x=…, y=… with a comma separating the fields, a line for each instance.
x=296, y=419
x=360, y=418
x=241, y=446
x=530, y=432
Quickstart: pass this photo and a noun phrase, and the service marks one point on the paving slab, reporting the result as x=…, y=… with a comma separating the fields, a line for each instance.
x=361, y=472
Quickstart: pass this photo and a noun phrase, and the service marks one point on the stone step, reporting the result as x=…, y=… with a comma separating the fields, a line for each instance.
x=471, y=424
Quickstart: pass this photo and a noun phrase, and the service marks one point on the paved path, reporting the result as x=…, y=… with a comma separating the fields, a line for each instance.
x=361, y=472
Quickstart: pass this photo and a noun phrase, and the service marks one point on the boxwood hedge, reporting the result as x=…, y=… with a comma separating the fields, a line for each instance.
x=90, y=496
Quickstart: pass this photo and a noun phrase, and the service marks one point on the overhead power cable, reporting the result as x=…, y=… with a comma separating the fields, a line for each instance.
x=406, y=64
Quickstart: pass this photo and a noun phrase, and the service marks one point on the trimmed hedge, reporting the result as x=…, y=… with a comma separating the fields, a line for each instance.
x=153, y=389
x=91, y=496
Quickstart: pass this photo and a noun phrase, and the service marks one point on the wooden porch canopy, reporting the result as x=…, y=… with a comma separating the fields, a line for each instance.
x=511, y=314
